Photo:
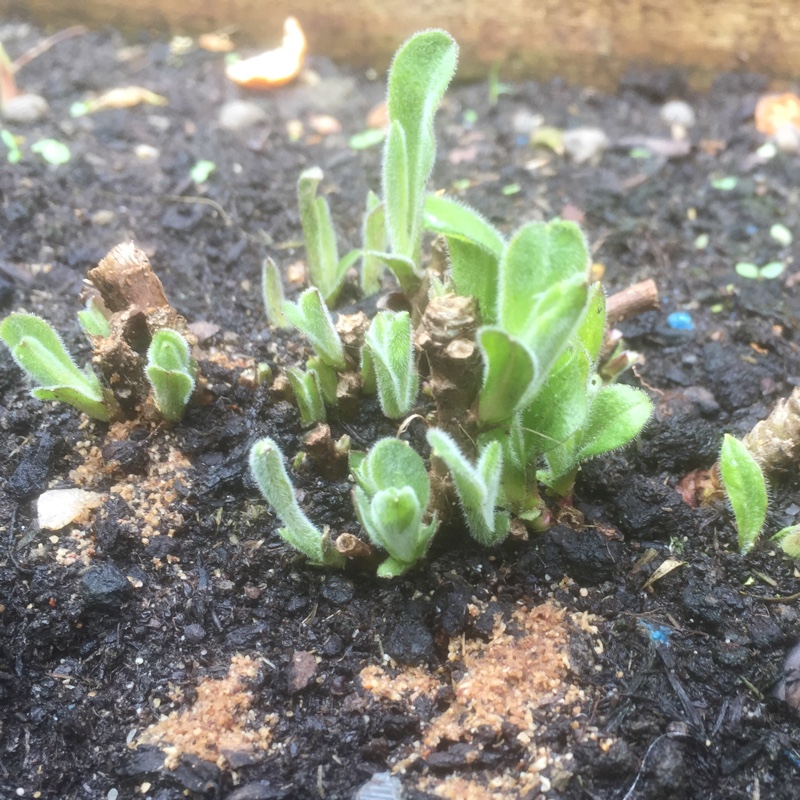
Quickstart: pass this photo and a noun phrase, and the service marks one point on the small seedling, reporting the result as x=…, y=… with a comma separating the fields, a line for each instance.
x=171, y=372
x=307, y=393
x=478, y=486
x=326, y=271
x=269, y=473
x=14, y=155
x=93, y=320
x=789, y=540
x=39, y=351
x=781, y=234
x=391, y=352
x=272, y=292
x=201, y=171
x=747, y=490
x=391, y=499
x=363, y=140
x=310, y=316
x=52, y=151
x=374, y=234
x=755, y=273
x=421, y=71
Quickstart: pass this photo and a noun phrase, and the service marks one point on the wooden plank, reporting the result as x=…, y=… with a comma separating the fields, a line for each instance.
x=588, y=41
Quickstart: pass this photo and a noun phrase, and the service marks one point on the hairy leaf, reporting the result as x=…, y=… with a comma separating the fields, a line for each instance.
x=310, y=316
x=269, y=473
x=38, y=350
x=392, y=352
x=747, y=490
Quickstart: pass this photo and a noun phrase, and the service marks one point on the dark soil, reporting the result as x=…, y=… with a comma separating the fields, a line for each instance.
x=89, y=657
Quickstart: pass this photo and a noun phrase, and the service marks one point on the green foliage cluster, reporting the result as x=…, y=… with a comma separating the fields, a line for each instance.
x=38, y=350
x=539, y=408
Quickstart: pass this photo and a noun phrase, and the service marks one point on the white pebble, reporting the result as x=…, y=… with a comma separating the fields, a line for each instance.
x=787, y=138
x=585, y=144
x=25, y=108
x=236, y=115
x=56, y=508
x=678, y=112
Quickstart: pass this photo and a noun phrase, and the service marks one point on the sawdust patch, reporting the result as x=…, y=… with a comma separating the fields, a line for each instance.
x=510, y=685
x=220, y=726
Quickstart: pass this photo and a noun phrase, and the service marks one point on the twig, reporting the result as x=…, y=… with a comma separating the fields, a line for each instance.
x=632, y=301
x=46, y=44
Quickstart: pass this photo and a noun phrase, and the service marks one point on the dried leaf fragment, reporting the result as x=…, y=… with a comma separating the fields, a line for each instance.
x=273, y=67
x=775, y=441
x=773, y=111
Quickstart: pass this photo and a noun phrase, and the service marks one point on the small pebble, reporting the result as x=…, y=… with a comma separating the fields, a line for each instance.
x=678, y=112
x=680, y=321
x=56, y=508
x=381, y=786
x=787, y=138
x=194, y=633
x=585, y=145
x=105, y=587
x=237, y=115
x=25, y=108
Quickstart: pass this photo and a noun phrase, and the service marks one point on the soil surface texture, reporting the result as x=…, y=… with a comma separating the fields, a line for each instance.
x=168, y=644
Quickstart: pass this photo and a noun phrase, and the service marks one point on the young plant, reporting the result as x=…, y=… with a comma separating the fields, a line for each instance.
x=747, y=490
x=542, y=296
x=391, y=353
x=310, y=316
x=326, y=271
x=478, y=486
x=93, y=320
x=391, y=499
x=420, y=73
x=39, y=351
x=308, y=394
x=272, y=291
x=171, y=371
x=374, y=232
x=269, y=473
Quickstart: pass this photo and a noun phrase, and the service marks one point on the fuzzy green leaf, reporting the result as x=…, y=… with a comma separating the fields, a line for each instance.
x=393, y=463
x=272, y=292
x=269, y=473
x=747, y=490
x=474, y=272
x=308, y=394
x=789, y=540
x=616, y=416
x=508, y=372
x=310, y=316
x=403, y=268
x=457, y=220
x=321, y=250
x=553, y=322
x=38, y=350
x=592, y=329
x=171, y=372
x=538, y=256
x=478, y=486
x=389, y=340
x=559, y=408
x=421, y=71
x=375, y=240
x=93, y=320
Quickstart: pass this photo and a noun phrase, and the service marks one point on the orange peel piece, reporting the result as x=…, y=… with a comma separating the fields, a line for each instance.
x=273, y=67
x=773, y=111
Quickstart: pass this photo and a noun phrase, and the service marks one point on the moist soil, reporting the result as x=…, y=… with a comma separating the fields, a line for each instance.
x=111, y=624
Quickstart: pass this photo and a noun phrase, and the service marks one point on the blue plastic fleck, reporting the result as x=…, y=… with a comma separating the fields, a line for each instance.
x=680, y=321
x=521, y=140
x=659, y=634
x=751, y=230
